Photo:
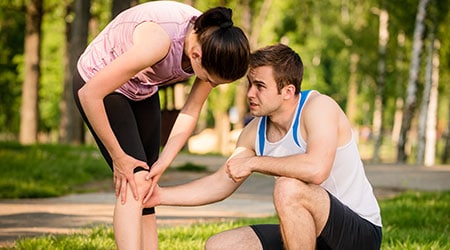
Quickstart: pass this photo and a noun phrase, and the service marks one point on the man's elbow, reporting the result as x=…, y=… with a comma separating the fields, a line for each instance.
x=319, y=176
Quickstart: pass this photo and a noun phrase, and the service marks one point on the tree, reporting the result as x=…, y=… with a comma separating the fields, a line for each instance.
x=433, y=80
x=71, y=125
x=121, y=5
x=252, y=25
x=29, y=119
x=12, y=25
x=381, y=81
x=411, y=98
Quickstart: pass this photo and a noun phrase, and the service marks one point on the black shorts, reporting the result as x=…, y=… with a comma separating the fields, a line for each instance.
x=344, y=230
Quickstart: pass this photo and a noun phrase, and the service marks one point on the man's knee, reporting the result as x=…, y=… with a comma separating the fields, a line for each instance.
x=242, y=238
x=213, y=242
x=290, y=192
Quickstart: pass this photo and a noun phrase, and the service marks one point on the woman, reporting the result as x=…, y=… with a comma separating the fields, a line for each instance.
x=146, y=46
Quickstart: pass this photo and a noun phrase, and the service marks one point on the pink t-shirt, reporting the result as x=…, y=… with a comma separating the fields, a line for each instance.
x=117, y=37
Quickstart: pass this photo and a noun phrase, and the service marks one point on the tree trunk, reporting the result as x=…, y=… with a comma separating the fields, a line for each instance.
x=411, y=97
x=29, y=115
x=398, y=116
x=222, y=121
x=71, y=128
x=379, y=96
x=446, y=152
x=351, y=107
x=253, y=28
x=430, y=143
x=424, y=106
x=222, y=128
x=118, y=6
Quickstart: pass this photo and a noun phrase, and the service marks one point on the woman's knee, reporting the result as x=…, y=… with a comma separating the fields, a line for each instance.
x=142, y=184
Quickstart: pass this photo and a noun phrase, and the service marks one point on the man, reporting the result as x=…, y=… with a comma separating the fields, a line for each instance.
x=321, y=194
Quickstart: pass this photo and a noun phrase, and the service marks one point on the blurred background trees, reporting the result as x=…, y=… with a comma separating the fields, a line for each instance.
x=385, y=62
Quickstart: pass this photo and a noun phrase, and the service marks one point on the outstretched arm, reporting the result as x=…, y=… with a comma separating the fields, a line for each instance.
x=209, y=189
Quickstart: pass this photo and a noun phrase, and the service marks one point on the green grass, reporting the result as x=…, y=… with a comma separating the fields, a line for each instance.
x=417, y=220
x=412, y=220
x=49, y=170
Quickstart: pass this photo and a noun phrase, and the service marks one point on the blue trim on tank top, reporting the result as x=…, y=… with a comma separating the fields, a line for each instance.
x=262, y=126
x=297, y=120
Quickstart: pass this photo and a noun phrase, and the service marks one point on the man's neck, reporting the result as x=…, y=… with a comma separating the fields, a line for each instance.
x=280, y=122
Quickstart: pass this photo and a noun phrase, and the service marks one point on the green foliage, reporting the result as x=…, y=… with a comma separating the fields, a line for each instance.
x=52, y=66
x=12, y=26
x=48, y=170
x=413, y=220
x=325, y=34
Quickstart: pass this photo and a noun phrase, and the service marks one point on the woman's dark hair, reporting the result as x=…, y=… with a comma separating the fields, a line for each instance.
x=286, y=63
x=225, y=48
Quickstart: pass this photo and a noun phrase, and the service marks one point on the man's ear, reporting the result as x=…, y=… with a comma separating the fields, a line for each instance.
x=289, y=91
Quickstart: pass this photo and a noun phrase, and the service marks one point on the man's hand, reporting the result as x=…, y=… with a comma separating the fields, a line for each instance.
x=124, y=173
x=238, y=168
x=155, y=173
x=154, y=199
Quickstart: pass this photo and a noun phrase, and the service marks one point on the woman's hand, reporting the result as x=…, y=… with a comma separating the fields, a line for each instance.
x=155, y=174
x=124, y=173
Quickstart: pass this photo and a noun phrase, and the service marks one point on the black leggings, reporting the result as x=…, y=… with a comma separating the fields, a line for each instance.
x=136, y=125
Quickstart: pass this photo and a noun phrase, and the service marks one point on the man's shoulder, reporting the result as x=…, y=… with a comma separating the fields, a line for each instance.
x=317, y=99
x=248, y=135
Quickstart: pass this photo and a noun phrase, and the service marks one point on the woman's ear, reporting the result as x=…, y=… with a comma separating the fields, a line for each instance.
x=196, y=52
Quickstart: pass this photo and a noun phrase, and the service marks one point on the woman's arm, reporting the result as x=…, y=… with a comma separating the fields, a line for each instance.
x=181, y=130
x=150, y=45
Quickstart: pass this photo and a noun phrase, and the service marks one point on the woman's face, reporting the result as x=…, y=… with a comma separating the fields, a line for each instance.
x=196, y=63
x=213, y=80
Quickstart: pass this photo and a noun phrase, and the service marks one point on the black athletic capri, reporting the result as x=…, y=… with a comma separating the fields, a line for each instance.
x=343, y=230
x=136, y=125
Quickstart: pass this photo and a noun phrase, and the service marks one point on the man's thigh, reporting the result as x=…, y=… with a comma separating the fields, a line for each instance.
x=347, y=230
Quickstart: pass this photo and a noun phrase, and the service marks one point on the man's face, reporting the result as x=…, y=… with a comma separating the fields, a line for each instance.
x=262, y=94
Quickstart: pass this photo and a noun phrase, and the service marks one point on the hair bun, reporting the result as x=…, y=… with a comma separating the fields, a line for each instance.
x=226, y=25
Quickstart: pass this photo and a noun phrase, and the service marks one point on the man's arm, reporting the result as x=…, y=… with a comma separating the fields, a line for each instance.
x=321, y=127
x=209, y=189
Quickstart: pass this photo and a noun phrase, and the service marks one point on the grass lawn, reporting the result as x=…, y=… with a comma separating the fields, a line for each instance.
x=49, y=170
x=412, y=220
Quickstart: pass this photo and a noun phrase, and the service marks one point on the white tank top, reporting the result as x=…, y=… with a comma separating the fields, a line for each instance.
x=347, y=180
